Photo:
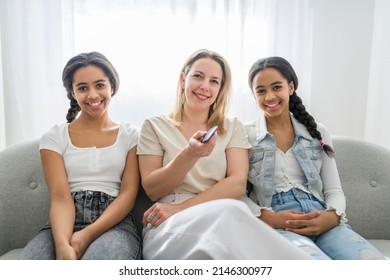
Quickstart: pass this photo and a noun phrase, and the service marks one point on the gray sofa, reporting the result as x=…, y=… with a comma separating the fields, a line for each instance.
x=24, y=201
x=24, y=198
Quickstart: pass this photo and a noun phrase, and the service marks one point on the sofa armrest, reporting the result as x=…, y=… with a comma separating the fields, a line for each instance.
x=24, y=198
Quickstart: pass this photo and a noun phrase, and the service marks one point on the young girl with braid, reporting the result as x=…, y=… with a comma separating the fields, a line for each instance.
x=91, y=169
x=294, y=184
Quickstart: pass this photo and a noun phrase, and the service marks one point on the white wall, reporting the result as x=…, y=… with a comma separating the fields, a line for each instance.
x=342, y=36
x=2, y=120
x=378, y=113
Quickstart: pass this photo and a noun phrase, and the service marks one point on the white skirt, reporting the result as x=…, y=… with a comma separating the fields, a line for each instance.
x=223, y=229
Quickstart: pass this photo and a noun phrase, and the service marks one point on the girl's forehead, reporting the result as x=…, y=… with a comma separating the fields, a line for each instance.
x=89, y=71
x=268, y=74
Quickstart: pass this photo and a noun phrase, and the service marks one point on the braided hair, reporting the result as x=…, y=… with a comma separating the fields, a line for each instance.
x=83, y=60
x=296, y=106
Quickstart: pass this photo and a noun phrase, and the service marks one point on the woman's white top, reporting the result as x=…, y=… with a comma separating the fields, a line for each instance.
x=94, y=169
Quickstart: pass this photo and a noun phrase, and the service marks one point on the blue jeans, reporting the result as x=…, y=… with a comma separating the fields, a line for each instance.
x=121, y=242
x=338, y=243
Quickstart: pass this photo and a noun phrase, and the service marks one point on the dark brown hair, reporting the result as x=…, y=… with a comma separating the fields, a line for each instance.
x=83, y=60
x=296, y=106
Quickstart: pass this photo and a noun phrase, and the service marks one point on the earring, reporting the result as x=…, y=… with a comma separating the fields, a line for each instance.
x=183, y=98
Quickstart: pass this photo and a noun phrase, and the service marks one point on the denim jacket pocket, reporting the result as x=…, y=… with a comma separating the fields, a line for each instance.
x=315, y=155
x=255, y=162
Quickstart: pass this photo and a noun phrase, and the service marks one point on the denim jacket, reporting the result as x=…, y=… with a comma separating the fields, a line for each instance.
x=322, y=178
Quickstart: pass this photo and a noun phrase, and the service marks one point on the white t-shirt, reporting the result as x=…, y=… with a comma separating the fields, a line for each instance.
x=159, y=136
x=94, y=169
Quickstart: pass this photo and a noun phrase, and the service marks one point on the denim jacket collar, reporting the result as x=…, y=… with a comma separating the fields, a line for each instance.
x=262, y=131
x=304, y=149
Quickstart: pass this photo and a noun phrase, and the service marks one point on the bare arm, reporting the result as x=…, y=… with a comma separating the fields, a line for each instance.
x=232, y=186
x=62, y=212
x=116, y=211
x=159, y=180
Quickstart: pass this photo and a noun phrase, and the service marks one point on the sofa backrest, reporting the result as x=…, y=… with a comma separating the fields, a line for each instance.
x=24, y=198
x=364, y=170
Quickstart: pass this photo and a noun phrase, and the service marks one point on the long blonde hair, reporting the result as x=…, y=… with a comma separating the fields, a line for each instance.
x=218, y=109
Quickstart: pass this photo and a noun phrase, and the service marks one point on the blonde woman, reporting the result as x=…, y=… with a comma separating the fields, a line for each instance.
x=196, y=184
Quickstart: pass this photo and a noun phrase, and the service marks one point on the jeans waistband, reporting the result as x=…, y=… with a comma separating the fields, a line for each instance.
x=89, y=205
x=92, y=195
x=292, y=194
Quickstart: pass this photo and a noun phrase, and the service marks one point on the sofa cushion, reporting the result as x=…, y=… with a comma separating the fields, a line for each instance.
x=382, y=245
x=11, y=255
